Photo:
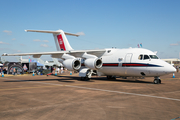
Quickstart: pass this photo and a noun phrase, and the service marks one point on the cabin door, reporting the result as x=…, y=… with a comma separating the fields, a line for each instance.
x=128, y=58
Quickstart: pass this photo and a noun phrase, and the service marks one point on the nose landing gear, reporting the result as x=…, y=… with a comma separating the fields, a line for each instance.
x=157, y=80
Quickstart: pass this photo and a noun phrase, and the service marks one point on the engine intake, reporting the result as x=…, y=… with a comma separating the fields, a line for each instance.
x=93, y=63
x=72, y=64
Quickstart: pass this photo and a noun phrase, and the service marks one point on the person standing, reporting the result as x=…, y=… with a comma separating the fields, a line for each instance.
x=61, y=70
x=14, y=70
x=0, y=70
x=57, y=69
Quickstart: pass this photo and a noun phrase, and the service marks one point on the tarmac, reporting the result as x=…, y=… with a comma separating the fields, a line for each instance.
x=66, y=97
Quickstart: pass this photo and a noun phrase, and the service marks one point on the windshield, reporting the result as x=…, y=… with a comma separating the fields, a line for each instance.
x=153, y=57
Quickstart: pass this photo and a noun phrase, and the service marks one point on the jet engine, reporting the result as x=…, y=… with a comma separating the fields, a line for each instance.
x=72, y=64
x=93, y=63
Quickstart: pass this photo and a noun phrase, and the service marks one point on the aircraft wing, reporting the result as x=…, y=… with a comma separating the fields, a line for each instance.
x=58, y=54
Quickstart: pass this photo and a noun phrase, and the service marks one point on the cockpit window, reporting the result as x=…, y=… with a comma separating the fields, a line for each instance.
x=140, y=57
x=146, y=57
x=153, y=57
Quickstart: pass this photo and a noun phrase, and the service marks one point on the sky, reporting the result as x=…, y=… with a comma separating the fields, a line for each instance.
x=105, y=24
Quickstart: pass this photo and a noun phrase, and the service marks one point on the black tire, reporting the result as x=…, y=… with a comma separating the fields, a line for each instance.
x=159, y=81
x=156, y=81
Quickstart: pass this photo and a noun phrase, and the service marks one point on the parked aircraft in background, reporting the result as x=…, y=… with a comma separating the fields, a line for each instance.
x=50, y=63
x=40, y=61
x=21, y=60
x=131, y=62
x=3, y=60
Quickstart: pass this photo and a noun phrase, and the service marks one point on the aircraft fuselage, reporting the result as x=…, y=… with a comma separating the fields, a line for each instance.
x=136, y=62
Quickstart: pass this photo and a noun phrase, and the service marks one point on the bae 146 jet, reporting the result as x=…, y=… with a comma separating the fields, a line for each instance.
x=131, y=62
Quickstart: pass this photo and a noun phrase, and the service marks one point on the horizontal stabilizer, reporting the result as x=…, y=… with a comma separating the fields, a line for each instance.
x=53, y=32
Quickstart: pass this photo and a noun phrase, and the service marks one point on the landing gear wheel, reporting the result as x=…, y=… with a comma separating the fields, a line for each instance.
x=157, y=81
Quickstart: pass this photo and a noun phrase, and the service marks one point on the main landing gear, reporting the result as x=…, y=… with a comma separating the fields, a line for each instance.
x=157, y=80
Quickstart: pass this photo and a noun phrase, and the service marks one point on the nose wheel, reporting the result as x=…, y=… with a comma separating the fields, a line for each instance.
x=157, y=80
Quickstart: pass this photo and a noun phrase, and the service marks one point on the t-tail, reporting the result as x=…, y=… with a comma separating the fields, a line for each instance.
x=60, y=39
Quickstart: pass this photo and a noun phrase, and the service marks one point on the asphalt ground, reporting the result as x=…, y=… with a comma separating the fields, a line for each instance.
x=66, y=97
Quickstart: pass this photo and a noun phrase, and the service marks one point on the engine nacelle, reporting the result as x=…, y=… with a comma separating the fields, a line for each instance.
x=93, y=63
x=72, y=64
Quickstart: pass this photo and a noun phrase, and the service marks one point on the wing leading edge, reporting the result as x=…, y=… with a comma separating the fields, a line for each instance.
x=58, y=54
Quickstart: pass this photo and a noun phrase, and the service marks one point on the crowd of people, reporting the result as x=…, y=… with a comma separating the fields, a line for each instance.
x=57, y=70
x=51, y=69
x=3, y=70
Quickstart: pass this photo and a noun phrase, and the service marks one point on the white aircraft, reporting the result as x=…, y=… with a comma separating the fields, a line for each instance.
x=132, y=62
x=50, y=63
x=3, y=60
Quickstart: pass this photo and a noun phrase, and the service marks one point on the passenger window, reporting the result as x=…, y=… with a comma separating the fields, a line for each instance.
x=140, y=57
x=146, y=57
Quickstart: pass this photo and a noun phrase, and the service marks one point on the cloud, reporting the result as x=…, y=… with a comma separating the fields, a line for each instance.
x=8, y=32
x=174, y=44
x=44, y=45
x=22, y=44
x=45, y=41
x=37, y=40
x=14, y=39
x=1, y=42
x=4, y=49
x=80, y=33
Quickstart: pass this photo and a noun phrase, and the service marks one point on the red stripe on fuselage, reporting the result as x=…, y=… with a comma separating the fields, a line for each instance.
x=110, y=64
x=61, y=42
x=131, y=65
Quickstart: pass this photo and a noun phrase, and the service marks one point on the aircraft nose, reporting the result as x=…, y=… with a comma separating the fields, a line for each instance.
x=170, y=69
x=173, y=69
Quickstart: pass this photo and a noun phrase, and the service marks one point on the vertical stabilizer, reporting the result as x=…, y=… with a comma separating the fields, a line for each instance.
x=60, y=39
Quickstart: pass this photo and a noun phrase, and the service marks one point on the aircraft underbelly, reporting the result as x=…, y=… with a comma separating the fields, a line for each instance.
x=124, y=71
x=135, y=71
x=112, y=71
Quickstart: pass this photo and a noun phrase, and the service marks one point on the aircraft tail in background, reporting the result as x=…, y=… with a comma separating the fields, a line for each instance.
x=60, y=39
